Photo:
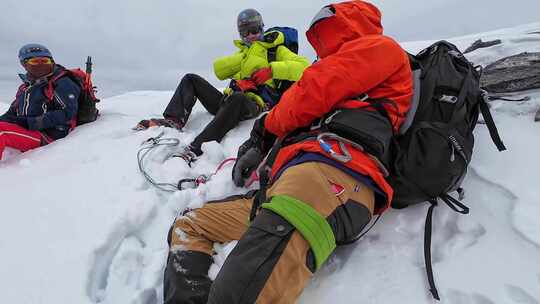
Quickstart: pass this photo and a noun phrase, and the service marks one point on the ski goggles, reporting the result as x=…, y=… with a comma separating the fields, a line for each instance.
x=324, y=13
x=247, y=30
x=38, y=61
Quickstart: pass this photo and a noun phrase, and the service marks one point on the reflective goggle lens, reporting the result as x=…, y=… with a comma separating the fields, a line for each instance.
x=38, y=60
x=324, y=13
x=245, y=31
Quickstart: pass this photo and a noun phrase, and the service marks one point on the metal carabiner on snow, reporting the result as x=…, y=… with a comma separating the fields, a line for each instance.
x=192, y=183
x=154, y=140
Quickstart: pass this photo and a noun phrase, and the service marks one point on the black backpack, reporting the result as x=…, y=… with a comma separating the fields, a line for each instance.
x=436, y=140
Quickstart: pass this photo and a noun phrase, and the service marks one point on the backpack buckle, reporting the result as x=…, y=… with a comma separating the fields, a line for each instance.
x=448, y=99
x=461, y=193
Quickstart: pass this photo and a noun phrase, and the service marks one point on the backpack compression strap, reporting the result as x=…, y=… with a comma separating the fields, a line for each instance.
x=427, y=250
x=458, y=207
x=489, y=121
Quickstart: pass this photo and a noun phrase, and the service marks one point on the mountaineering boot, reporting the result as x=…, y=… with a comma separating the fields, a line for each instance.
x=186, y=277
x=190, y=154
x=159, y=122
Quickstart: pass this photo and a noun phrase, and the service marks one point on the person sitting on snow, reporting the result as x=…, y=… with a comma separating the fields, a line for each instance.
x=252, y=90
x=316, y=197
x=34, y=120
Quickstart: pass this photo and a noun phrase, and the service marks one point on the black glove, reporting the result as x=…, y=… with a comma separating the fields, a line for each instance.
x=11, y=117
x=21, y=121
x=252, y=152
x=245, y=165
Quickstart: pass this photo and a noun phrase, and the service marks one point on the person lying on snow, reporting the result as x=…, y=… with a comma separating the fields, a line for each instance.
x=252, y=90
x=315, y=200
x=33, y=119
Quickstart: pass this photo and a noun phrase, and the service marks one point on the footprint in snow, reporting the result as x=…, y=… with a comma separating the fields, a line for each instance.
x=519, y=295
x=118, y=266
x=453, y=233
x=454, y=296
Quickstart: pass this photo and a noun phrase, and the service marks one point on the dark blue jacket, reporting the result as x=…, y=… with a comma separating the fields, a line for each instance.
x=34, y=111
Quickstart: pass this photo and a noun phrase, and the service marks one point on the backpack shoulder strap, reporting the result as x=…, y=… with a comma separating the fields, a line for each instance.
x=20, y=90
x=49, y=90
x=272, y=54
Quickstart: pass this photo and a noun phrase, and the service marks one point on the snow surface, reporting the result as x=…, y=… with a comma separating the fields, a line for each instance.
x=79, y=224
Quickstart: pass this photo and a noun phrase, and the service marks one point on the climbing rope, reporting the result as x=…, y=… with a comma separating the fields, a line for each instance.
x=186, y=183
x=148, y=146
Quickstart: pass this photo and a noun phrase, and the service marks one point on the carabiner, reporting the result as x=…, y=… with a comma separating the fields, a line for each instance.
x=344, y=158
x=192, y=183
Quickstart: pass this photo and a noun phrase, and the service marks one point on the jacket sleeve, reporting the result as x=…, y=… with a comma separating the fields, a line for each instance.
x=228, y=66
x=355, y=69
x=288, y=65
x=66, y=96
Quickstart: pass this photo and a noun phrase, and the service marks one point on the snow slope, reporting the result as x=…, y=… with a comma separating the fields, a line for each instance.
x=79, y=224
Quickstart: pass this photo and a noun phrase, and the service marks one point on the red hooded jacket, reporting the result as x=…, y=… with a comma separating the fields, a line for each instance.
x=355, y=58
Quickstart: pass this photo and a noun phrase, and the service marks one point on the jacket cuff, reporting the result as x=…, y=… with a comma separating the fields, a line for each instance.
x=280, y=70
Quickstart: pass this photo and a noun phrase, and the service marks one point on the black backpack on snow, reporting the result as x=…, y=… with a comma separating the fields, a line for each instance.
x=436, y=140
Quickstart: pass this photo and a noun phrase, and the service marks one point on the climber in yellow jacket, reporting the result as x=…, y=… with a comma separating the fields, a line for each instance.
x=260, y=71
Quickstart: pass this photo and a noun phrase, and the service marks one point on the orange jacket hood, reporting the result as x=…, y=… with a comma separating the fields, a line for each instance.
x=351, y=20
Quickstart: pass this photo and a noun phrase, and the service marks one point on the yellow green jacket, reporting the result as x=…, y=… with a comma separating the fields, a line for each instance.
x=287, y=66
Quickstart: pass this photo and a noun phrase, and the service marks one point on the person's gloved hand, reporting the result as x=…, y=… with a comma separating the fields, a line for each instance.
x=246, y=85
x=245, y=165
x=22, y=121
x=262, y=75
x=258, y=100
x=252, y=152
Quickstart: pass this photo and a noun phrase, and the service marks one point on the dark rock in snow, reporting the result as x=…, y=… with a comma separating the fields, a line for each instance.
x=511, y=74
x=481, y=44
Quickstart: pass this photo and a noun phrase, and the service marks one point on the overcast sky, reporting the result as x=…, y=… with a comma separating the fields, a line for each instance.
x=149, y=45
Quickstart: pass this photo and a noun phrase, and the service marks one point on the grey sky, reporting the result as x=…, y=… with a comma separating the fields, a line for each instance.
x=149, y=45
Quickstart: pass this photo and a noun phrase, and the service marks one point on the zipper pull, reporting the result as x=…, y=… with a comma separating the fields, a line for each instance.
x=453, y=155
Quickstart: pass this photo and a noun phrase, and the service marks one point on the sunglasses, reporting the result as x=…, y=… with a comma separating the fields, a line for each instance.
x=38, y=61
x=251, y=30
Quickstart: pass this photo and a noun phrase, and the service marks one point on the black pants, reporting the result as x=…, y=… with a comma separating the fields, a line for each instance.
x=228, y=111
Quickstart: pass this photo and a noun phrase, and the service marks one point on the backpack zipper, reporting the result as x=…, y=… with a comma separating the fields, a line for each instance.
x=456, y=146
